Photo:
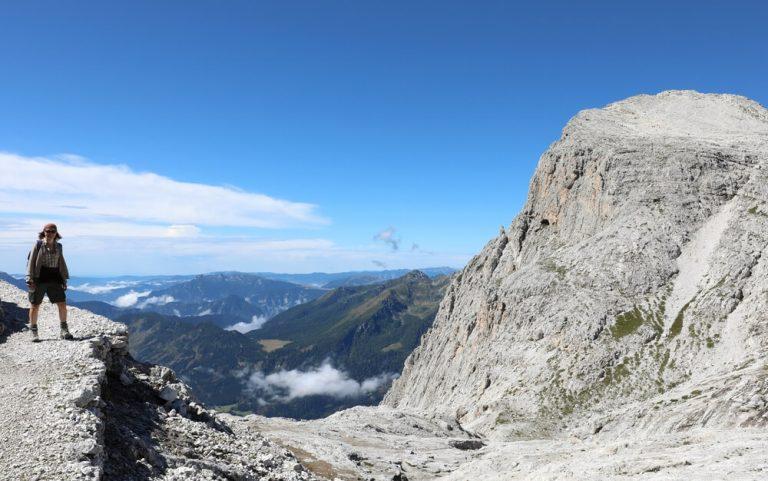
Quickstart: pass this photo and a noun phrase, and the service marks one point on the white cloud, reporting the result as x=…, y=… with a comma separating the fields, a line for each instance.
x=134, y=298
x=322, y=380
x=118, y=221
x=130, y=299
x=75, y=187
x=73, y=227
x=244, y=327
x=156, y=301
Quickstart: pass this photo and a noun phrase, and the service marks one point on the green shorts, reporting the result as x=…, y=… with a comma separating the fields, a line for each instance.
x=54, y=290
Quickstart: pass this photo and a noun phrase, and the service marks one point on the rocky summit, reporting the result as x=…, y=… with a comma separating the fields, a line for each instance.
x=629, y=295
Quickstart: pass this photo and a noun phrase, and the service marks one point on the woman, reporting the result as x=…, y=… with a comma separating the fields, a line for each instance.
x=47, y=274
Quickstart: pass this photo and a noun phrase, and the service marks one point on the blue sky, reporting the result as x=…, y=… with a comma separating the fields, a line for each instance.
x=286, y=135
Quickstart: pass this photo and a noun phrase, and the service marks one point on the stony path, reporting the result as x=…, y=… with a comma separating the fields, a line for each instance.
x=84, y=410
x=48, y=397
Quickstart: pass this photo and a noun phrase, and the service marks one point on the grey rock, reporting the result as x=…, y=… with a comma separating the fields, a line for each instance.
x=169, y=394
x=466, y=444
x=620, y=286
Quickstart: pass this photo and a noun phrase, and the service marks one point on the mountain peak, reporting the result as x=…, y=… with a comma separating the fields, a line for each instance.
x=623, y=281
x=674, y=113
x=416, y=275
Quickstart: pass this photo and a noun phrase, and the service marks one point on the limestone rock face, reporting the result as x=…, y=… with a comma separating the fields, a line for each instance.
x=630, y=293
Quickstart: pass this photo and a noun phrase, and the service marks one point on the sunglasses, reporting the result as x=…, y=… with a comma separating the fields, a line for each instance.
x=49, y=231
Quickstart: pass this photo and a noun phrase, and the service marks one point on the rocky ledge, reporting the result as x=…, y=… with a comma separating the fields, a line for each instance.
x=85, y=410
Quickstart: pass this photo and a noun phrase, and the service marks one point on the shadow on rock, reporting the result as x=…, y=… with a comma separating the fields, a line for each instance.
x=132, y=418
x=12, y=319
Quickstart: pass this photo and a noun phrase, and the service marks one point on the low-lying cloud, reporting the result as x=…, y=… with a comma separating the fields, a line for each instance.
x=283, y=386
x=134, y=299
x=130, y=299
x=156, y=301
x=244, y=327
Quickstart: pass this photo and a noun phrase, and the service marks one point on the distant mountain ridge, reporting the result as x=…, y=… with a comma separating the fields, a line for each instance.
x=12, y=280
x=111, y=288
x=350, y=278
x=205, y=293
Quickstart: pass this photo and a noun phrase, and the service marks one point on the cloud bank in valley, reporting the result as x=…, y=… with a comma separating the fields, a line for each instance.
x=130, y=299
x=283, y=386
x=135, y=299
x=245, y=327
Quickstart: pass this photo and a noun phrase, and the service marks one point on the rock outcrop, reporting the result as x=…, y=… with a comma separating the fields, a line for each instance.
x=85, y=410
x=628, y=296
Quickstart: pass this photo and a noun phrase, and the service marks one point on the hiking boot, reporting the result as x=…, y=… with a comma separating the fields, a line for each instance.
x=35, y=337
x=65, y=332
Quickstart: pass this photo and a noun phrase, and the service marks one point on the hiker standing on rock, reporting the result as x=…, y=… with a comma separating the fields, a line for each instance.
x=47, y=274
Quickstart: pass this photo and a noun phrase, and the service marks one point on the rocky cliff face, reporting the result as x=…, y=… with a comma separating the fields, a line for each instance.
x=629, y=293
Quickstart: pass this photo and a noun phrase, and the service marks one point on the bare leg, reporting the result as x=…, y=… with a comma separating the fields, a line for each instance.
x=62, y=311
x=34, y=310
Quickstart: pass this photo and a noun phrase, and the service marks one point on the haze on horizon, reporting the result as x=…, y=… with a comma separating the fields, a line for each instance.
x=178, y=138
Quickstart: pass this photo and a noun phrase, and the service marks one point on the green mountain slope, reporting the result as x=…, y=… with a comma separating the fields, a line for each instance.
x=367, y=330
x=204, y=355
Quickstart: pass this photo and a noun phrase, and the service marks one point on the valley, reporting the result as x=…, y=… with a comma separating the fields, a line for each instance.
x=218, y=335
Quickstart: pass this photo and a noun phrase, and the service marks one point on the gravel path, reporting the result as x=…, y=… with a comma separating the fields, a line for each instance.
x=85, y=410
x=49, y=424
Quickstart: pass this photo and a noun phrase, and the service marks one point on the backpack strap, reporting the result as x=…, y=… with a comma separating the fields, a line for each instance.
x=36, y=249
x=30, y=259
